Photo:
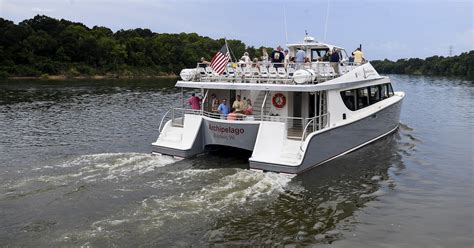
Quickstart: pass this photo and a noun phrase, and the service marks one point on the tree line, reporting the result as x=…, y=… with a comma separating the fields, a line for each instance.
x=461, y=65
x=43, y=46
x=47, y=46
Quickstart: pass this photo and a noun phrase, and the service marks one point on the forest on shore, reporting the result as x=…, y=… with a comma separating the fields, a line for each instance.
x=460, y=66
x=44, y=47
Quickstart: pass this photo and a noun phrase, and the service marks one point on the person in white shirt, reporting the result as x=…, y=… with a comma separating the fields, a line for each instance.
x=287, y=58
x=246, y=59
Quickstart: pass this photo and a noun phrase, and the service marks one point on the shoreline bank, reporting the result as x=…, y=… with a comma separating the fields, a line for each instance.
x=94, y=77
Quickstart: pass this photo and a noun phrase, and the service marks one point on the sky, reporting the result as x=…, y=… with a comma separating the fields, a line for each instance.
x=386, y=28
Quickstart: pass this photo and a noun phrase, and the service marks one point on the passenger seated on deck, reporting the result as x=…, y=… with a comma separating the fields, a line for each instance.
x=249, y=108
x=307, y=63
x=204, y=63
x=232, y=116
x=223, y=109
x=255, y=63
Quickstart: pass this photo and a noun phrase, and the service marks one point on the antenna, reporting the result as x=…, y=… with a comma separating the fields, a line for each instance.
x=286, y=28
x=327, y=17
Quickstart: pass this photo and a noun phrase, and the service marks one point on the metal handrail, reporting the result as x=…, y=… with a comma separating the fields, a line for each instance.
x=162, y=119
x=203, y=101
x=263, y=104
x=322, y=69
x=303, y=135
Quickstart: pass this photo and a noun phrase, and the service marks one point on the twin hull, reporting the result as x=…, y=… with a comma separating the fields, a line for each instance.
x=319, y=148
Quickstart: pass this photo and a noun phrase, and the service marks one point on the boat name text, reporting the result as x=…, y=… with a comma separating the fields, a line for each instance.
x=226, y=130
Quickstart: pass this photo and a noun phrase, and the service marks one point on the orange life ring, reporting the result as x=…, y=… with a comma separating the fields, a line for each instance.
x=279, y=100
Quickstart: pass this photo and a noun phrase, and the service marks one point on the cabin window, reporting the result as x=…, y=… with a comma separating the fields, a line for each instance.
x=318, y=53
x=374, y=94
x=360, y=98
x=348, y=97
x=390, y=90
x=314, y=55
x=384, y=91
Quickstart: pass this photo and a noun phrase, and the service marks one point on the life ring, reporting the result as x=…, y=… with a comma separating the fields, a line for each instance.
x=279, y=100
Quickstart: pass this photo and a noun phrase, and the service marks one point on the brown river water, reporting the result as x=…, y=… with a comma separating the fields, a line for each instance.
x=76, y=170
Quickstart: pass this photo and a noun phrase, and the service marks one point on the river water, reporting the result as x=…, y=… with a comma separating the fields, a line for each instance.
x=76, y=170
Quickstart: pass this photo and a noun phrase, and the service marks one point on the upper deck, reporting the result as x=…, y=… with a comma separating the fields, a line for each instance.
x=308, y=77
x=316, y=73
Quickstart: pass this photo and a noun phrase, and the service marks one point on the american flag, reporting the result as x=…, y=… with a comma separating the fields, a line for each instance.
x=219, y=62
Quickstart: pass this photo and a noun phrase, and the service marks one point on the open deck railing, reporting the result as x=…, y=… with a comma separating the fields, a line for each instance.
x=262, y=72
x=297, y=127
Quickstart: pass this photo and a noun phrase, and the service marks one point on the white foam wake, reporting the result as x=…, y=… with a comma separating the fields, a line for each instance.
x=94, y=167
x=243, y=190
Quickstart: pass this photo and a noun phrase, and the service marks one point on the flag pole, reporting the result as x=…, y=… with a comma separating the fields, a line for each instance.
x=230, y=51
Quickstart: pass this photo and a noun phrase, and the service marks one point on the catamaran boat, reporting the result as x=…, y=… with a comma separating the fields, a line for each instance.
x=304, y=114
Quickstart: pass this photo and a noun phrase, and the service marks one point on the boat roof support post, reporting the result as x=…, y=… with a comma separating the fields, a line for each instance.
x=203, y=100
x=263, y=105
x=182, y=97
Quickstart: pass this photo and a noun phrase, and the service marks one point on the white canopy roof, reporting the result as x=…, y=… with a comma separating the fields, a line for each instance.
x=310, y=42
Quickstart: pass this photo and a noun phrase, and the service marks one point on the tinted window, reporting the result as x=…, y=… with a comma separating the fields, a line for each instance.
x=390, y=90
x=374, y=94
x=348, y=97
x=318, y=53
x=362, y=98
x=359, y=98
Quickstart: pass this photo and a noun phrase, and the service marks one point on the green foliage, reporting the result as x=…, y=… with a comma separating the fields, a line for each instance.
x=47, y=46
x=3, y=74
x=461, y=65
x=44, y=45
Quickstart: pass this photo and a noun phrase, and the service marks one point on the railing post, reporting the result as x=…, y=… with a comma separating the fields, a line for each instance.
x=172, y=115
x=263, y=105
x=203, y=101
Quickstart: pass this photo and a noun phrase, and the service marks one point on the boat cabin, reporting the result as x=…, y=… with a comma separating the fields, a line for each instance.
x=316, y=51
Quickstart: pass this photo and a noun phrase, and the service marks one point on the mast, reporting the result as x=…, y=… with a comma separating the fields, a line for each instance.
x=326, y=26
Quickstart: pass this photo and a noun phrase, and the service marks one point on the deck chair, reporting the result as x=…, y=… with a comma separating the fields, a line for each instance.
x=272, y=73
x=282, y=73
x=264, y=73
x=209, y=73
x=238, y=73
x=202, y=73
x=247, y=74
x=291, y=72
x=230, y=73
x=255, y=74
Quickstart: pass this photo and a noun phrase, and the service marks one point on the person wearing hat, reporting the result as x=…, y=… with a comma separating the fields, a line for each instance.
x=246, y=59
x=204, y=63
x=277, y=57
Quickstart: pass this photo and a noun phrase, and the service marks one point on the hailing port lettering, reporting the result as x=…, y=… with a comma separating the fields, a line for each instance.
x=368, y=72
x=226, y=130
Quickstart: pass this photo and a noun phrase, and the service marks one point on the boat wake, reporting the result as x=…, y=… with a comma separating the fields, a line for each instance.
x=117, y=196
x=84, y=169
x=200, y=197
